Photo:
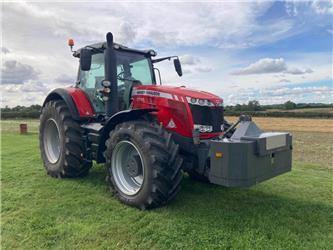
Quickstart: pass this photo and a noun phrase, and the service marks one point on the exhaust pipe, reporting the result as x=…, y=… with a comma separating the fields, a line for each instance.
x=111, y=98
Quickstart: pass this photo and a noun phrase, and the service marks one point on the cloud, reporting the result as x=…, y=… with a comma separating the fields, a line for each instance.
x=64, y=79
x=284, y=80
x=280, y=95
x=127, y=33
x=28, y=93
x=187, y=71
x=291, y=8
x=189, y=60
x=204, y=69
x=296, y=71
x=28, y=87
x=263, y=66
x=322, y=7
x=14, y=72
x=163, y=24
x=270, y=65
x=33, y=87
x=59, y=24
x=194, y=64
x=219, y=35
x=4, y=50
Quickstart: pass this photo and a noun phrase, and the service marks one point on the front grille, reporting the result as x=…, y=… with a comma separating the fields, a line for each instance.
x=205, y=115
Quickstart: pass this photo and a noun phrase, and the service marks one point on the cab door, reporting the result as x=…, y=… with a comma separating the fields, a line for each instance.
x=91, y=81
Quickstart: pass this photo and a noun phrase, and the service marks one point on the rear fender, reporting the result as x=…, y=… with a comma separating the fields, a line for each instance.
x=76, y=100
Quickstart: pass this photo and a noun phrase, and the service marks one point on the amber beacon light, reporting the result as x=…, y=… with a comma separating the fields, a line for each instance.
x=71, y=43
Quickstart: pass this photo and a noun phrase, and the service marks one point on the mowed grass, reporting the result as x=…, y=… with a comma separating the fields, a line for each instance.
x=292, y=211
x=13, y=126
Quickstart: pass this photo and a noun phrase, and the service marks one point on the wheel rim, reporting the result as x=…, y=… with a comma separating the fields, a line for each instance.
x=127, y=167
x=52, y=141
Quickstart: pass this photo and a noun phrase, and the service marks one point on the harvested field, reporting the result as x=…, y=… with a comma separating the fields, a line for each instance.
x=312, y=138
x=291, y=124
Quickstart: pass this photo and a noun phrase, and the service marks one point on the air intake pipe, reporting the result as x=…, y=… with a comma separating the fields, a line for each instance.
x=111, y=99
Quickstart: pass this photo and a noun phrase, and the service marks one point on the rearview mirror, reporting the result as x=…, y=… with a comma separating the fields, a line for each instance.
x=85, y=59
x=178, y=66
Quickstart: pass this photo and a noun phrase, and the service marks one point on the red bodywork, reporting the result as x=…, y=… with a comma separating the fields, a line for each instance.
x=82, y=102
x=173, y=109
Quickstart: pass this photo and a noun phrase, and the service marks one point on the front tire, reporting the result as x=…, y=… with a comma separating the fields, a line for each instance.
x=143, y=165
x=61, y=144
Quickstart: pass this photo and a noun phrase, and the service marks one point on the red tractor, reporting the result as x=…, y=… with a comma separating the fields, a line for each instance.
x=148, y=134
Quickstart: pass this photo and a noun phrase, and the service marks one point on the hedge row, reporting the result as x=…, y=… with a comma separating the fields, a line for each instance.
x=11, y=115
x=281, y=114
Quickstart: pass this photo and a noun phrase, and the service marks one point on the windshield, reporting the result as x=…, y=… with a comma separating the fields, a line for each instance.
x=133, y=67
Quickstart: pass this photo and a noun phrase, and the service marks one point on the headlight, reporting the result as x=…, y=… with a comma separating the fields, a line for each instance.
x=201, y=102
x=203, y=128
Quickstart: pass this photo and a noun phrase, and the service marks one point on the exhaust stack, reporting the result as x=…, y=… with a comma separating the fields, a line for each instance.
x=111, y=98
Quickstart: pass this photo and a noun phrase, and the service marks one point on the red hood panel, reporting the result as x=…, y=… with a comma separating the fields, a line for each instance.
x=183, y=91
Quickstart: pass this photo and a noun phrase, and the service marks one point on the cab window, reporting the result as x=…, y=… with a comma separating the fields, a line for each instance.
x=90, y=81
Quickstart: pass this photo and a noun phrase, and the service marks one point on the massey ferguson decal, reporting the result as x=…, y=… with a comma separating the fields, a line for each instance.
x=153, y=93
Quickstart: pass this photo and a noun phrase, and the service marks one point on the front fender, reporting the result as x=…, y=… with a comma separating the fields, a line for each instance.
x=122, y=116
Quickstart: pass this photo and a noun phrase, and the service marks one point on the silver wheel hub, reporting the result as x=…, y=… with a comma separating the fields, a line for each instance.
x=127, y=167
x=51, y=139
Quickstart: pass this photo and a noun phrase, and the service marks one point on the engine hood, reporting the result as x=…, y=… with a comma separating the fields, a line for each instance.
x=183, y=91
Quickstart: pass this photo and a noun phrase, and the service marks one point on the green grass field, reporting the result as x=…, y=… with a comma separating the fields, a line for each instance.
x=292, y=211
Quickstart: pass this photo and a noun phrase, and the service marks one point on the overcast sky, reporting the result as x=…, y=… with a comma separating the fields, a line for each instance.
x=268, y=51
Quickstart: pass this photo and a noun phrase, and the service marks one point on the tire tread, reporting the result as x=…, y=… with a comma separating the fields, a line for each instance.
x=166, y=162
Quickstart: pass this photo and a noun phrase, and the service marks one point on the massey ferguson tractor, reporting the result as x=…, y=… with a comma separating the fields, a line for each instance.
x=148, y=134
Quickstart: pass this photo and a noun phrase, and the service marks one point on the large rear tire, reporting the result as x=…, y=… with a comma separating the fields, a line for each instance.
x=61, y=144
x=143, y=164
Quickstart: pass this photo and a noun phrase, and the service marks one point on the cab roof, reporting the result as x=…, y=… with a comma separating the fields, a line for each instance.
x=102, y=45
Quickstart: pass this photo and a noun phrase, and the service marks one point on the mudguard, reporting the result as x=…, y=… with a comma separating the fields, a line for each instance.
x=98, y=132
x=122, y=116
x=76, y=101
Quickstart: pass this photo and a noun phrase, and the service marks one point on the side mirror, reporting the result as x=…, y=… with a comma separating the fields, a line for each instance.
x=85, y=59
x=178, y=66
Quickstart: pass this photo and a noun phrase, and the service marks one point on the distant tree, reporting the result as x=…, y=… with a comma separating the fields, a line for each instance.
x=238, y=107
x=290, y=105
x=254, y=105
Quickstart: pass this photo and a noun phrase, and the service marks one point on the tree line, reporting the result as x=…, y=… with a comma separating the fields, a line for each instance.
x=253, y=108
x=254, y=105
x=32, y=111
x=287, y=109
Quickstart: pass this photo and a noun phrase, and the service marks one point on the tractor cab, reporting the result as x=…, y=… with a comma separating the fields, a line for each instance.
x=133, y=68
